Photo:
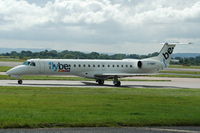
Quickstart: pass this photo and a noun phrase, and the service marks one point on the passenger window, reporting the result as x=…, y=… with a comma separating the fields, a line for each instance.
x=113, y=65
x=103, y=65
x=108, y=65
x=117, y=65
x=98, y=65
x=93, y=65
x=79, y=65
x=88, y=65
x=84, y=65
x=74, y=65
x=131, y=66
x=126, y=65
x=122, y=66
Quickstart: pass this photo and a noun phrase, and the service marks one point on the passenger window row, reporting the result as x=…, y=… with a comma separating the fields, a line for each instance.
x=84, y=65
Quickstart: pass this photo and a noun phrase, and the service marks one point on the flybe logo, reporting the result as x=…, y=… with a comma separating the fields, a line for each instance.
x=168, y=53
x=59, y=67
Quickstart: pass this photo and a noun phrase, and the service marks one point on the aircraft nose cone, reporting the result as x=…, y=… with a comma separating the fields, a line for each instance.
x=15, y=71
x=9, y=72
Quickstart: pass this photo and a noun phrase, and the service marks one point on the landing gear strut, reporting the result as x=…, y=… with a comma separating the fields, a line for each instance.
x=20, y=81
x=100, y=81
x=116, y=82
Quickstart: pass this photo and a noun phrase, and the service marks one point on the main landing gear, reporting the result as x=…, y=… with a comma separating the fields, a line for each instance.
x=100, y=81
x=20, y=81
x=116, y=82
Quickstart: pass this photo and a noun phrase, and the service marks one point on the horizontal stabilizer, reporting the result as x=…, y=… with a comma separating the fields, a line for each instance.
x=177, y=43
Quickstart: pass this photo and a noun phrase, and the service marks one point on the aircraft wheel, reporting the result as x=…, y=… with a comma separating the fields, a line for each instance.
x=20, y=82
x=117, y=83
x=100, y=81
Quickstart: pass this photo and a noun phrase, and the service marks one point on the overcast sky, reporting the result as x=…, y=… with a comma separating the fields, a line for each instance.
x=108, y=26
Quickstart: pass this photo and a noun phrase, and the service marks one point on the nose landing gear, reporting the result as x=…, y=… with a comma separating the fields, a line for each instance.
x=20, y=81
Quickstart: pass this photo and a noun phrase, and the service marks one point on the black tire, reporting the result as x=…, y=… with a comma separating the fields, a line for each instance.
x=100, y=82
x=117, y=83
x=20, y=82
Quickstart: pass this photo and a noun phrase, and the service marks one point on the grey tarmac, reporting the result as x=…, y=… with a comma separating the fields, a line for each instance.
x=9, y=63
x=193, y=83
x=107, y=130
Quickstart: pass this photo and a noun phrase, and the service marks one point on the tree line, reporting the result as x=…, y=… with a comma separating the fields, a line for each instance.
x=53, y=54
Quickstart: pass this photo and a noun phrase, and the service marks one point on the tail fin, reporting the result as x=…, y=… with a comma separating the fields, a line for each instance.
x=166, y=53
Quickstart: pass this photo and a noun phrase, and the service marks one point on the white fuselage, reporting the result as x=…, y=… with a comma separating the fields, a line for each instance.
x=85, y=68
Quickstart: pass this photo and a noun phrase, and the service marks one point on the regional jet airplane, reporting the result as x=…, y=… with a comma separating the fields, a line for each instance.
x=97, y=69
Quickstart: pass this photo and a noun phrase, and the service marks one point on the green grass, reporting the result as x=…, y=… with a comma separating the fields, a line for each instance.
x=34, y=107
x=175, y=76
x=181, y=72
x=185, y=67
x=3, y=77
x=11, y=59
x=4, y=68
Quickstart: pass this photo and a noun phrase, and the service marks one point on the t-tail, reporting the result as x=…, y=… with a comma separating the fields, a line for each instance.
x=165, y=54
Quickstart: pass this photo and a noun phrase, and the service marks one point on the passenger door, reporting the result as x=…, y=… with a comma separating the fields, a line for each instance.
x=40, y=67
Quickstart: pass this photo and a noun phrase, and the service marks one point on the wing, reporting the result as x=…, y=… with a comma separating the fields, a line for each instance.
x=121, y=75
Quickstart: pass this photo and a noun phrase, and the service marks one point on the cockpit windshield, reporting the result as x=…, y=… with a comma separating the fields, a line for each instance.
x=29, y=63
x=26, y=63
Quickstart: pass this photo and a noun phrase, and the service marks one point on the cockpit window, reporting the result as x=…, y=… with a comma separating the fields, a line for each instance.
x=32, y=64
x=28, y=63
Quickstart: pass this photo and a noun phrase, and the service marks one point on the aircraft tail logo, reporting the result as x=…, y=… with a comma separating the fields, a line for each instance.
x=166, y=54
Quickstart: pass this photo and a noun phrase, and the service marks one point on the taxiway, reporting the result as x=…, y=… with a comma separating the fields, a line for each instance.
x=107, y=130
x=193, y=83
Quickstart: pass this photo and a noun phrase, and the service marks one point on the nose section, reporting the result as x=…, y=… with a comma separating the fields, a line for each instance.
x=12, y=71
x=15, y=71
x=9, y=72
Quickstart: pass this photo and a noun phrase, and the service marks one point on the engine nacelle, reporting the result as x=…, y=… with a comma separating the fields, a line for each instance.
x=149, y=65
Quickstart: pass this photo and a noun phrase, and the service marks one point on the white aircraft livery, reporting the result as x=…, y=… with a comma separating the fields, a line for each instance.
x=97, y=69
